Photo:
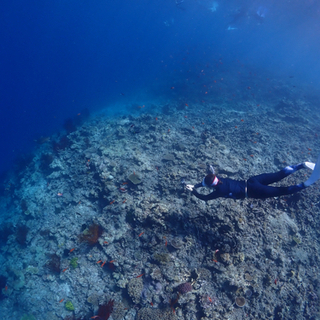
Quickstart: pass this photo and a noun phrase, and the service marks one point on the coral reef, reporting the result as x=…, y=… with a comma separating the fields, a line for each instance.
x=184, y=287
x=74, y=262
x=92, y=234
x=3, y=283
x=28, y=317
x=155, y=314
x=69, y=306
x=5, y=232
x=105, y=310
x=109, y=224
x=45, y=162
x=135, y=287
x=240, y=301
x=54, y=263
x=21, y=234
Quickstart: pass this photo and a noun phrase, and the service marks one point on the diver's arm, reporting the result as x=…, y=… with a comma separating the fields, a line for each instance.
x=206, y=197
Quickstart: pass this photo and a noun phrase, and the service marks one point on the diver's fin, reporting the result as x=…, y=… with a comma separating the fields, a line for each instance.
x=309, y=165
x=315, y=175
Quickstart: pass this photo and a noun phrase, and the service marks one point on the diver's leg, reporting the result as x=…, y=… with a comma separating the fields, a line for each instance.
x=257, y=190
x=268, y=178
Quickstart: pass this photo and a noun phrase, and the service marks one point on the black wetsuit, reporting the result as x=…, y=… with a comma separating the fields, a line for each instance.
x=256, y=187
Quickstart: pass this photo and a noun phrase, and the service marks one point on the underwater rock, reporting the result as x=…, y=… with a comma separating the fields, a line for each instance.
x=163, y=258
x=168, y=157
x=28, y=317
x=19, y=279
x=177, y=243
x=32, y=270
x=134, y=178
x=93, y=299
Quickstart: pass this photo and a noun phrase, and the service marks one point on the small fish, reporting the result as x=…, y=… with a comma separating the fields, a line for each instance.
x=71, y=249
x=125, y=183
x=112, y=202
x=166, y=243
x=236, y=127
x=65, y=269
x=172, y=88
x=151, y=304
x=124, y=200
x=123, y=190
x=99, y=261
x=61, y=300
x=95, y=317
x=59, y=194
x=275, y=281
x=241, y=120
x=141, y=233
x=112, y=261
x=187, y=105
x=6, y=288
x=210, y=299
x=156, y=118
x=105, y=242
x=214, y=260
x=140, y=275
x=103, y=263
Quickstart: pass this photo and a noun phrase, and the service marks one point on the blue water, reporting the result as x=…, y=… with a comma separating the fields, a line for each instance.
x=59, y=57
x=232, y=82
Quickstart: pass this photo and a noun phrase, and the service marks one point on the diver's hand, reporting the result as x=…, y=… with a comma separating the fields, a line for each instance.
x=190, y=187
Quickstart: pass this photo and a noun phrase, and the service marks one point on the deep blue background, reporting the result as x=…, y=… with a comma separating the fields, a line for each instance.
x=58, y=57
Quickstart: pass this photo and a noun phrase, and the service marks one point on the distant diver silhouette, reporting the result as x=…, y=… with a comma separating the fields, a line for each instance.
x=178, y=2
x=262, y=11
x=255, y=187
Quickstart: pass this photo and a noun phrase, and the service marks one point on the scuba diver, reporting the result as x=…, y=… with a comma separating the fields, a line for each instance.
x=256, y=187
